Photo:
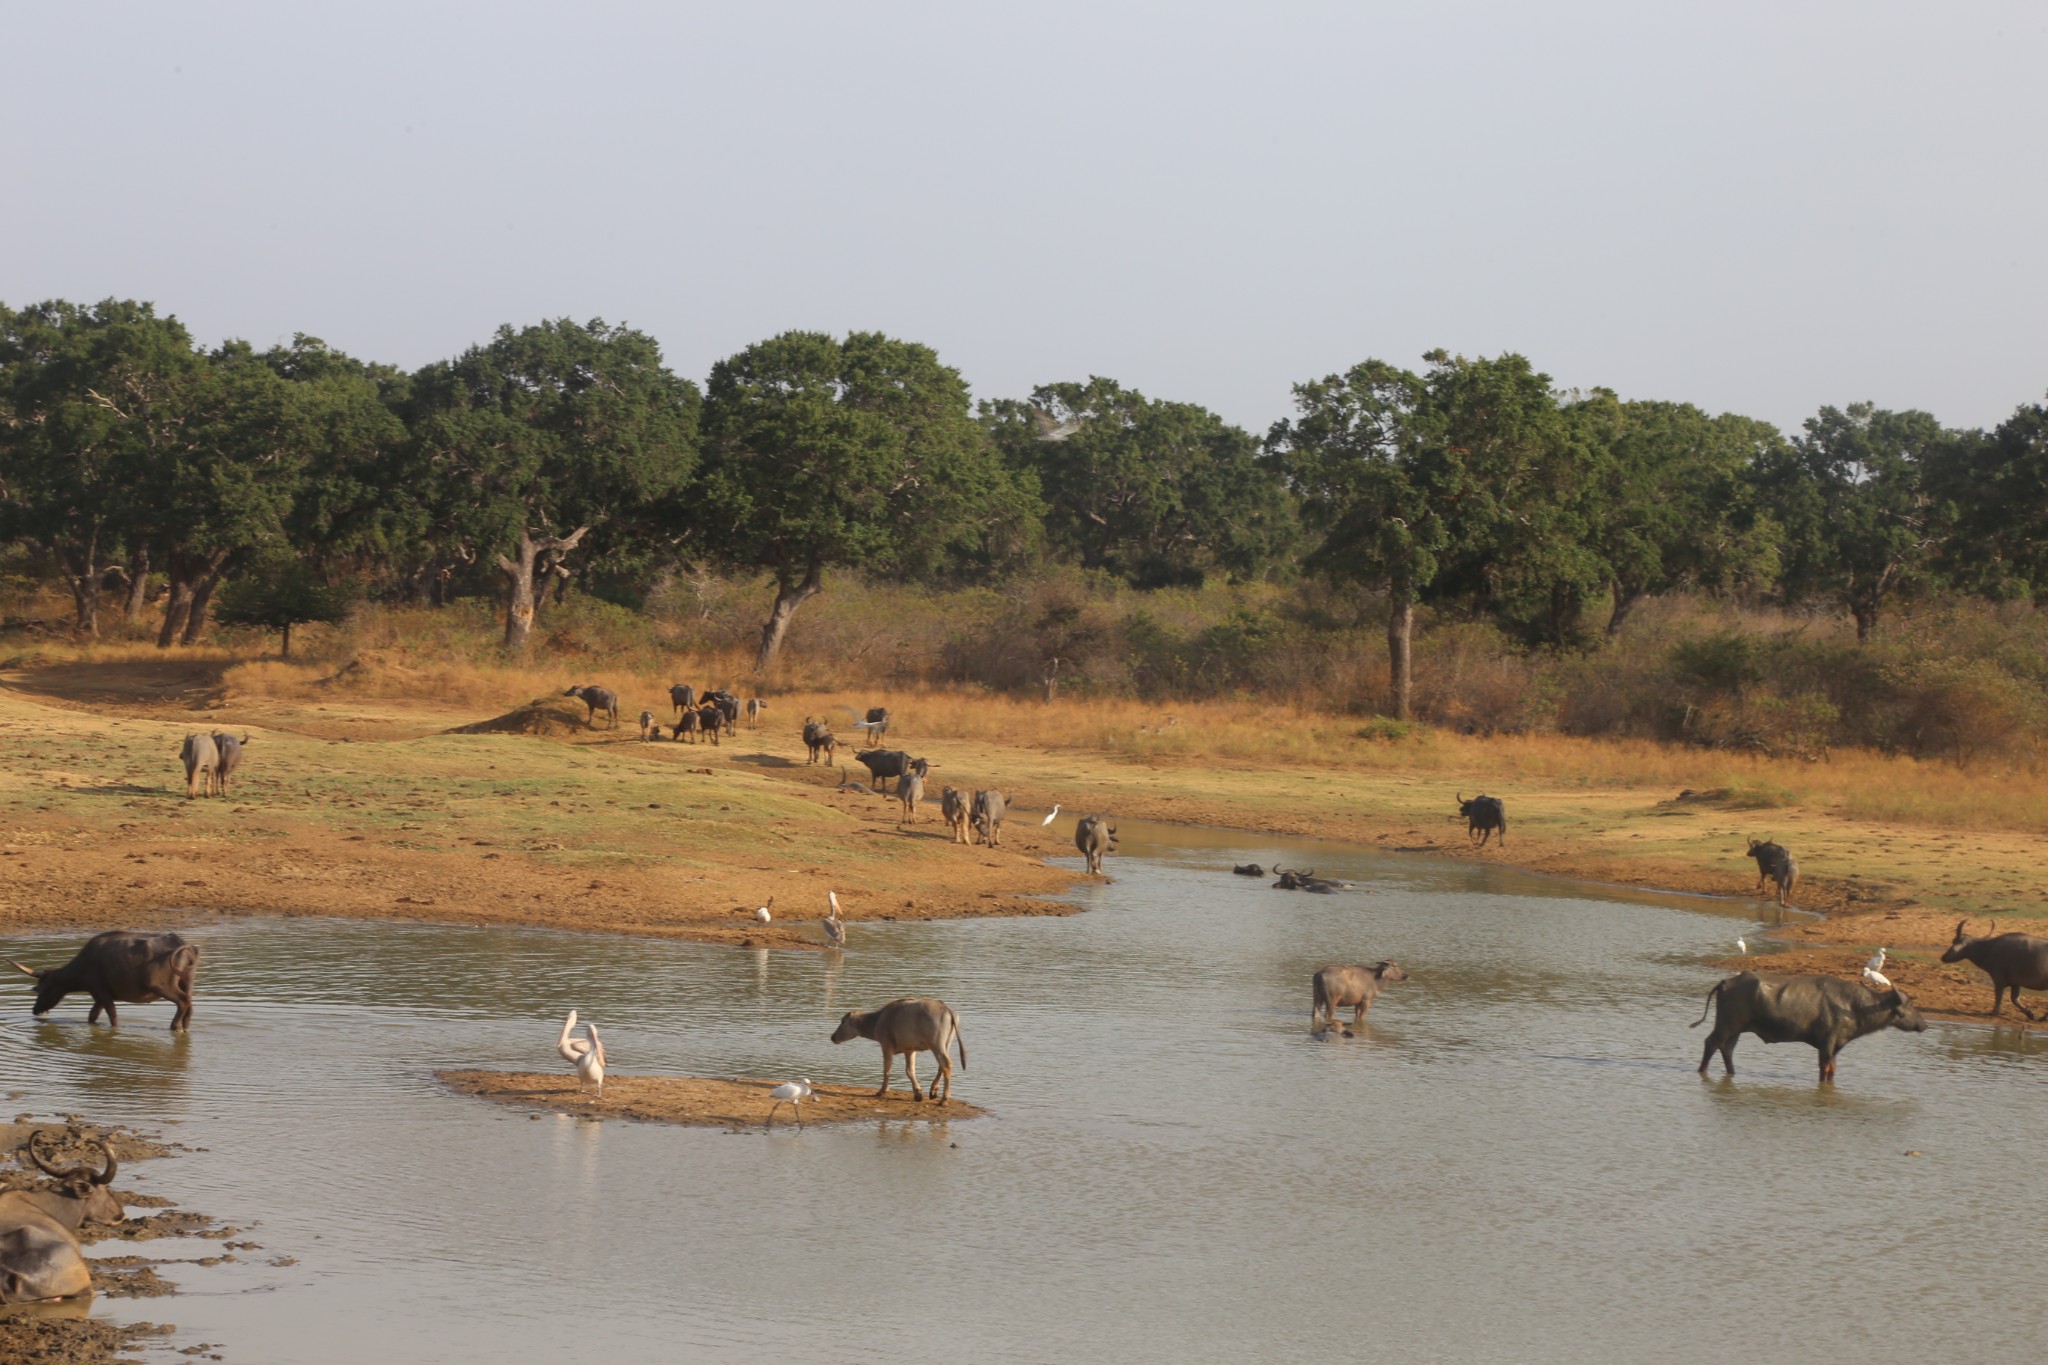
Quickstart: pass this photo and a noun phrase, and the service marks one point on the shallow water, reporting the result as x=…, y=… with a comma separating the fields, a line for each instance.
x=1514, y=1162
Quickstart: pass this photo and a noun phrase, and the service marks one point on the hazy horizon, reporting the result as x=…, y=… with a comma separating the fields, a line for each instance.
x=1753, y=210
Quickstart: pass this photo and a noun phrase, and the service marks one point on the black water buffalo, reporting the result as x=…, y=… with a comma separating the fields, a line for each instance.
x=712, y=720
x=1824, y=1012
x=910, y=1026
x=728, y=706
x=597, y=699
x=682, y=697
x=1485, y=816
x=883, y=764
x=876, y=724
x=1773, y=864
x=39, y=1253
x=1356, y=987
x=1306, y=881
x=1095, y=836
x=1249, y=870
x=123, y=966
x=687, y=723
x=2014, y=962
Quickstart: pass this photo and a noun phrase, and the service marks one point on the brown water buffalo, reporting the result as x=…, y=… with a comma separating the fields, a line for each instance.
x=121, y=965
x=987, y=814
x=39, y=1252
x=909, y=1026
x=1824, y=1012
x=229, y=749
x=1355, y=986
x=597, y=699
x=953, y=805
x=201, y=757
x=818, y=738
x=2014, y=962
x=1095, y=836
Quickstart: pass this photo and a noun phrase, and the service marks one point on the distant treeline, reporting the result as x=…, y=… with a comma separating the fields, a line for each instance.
x=145, y=471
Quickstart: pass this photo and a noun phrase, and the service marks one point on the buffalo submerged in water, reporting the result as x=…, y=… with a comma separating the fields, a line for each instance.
x=1823, y=1012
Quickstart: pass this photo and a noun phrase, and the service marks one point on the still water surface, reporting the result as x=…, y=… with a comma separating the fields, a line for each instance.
x=1515, y=1162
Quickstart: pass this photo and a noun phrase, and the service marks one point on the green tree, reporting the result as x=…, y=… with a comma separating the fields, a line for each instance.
x=1997, y=482
x=821, y=453
x=1861, y=522
x=1154, y=491
x=91, y=399
x=278, y=593
x=529, y=442
x=1677, y=505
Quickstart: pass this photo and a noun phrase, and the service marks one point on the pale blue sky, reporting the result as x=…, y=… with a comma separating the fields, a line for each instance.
x=1757, y=207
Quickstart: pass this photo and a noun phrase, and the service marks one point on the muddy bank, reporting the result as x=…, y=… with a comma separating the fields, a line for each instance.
x=738, y=1103
x=64, y=1333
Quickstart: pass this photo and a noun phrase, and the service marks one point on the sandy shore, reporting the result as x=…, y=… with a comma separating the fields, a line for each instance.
x=700, y=1101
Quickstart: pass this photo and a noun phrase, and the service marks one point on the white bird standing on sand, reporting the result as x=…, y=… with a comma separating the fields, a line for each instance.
x=586, y=1055
x=1743, y=946
x=1049, y=815
x=791, y=1093
x=762, y=914
x=835, y=928
x=1876, y=979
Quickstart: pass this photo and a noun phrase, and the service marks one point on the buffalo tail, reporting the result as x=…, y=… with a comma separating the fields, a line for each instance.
x=1712, y=996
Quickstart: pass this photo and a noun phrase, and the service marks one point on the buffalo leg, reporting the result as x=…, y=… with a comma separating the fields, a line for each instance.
x=1997, y=998
x=2018, y=1006
x=113, y=1019
x=944, y=1078
x=910, y=1070
x=1827, y=1066
x=888, y=1060
x=1358, y=1015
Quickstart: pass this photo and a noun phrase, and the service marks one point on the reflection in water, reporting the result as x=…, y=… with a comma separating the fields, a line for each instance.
x=1512, y=1156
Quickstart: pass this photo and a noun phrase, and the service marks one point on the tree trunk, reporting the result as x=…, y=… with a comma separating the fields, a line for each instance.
x=1625, y=599
x=286, y=652
x=192, y=578
x=202, y=596
x=82, y=573
x=1865, y=613
x=787, y=599
x=138, y=585
x=1400, y=630
x=522, y=573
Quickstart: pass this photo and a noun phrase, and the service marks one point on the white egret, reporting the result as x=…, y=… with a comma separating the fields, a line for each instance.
x=585, y=1054
x=1743, y=946
x=835, y=928
x=791, y=1093
x=1049, y=815
x=1876, y=979
x=761, y=913
x=1876, y=963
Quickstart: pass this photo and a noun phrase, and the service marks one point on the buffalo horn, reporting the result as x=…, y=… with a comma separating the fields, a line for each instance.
x=1961, y=925
x=60, y=1172
x=30, y=970
x=106, y=1177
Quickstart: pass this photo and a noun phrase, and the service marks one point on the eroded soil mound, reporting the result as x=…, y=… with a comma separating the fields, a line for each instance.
x=551, y=717
x=738, y=1103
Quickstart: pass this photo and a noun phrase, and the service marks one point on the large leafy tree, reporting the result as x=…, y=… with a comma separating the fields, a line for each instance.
x=1155, y=491
x=1997, y=482
x=534, y=439
x=1677, y=507
x=92, y=401
x=821, y=453
x=1861, y=519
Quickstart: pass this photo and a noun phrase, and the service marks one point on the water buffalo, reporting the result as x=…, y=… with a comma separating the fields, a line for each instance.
x=910, y=791
x=818, y=738
x=953, y=805
x=712, y=720
x=883, y=764
x=1774, y=864
x=648, y=729
x=201, y=757
x=2014, y=962
x=1249, y=870
x=687, y=723
x=876, y=724
x=230, y=750
x=124, y=966
x=39, y=1253
x=1306, y=881
x=1824, y=1012
x=1095, y=836
x=909, y=1026
x=728, y=706
x=987, y=816
x=1356, y=986
x=682, y=697
x=1485, y=816
x=597, y=699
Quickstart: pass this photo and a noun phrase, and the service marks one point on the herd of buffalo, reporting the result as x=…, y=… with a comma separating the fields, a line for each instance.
x=39, y=1250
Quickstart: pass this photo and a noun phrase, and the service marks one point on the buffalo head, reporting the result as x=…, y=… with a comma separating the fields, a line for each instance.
x=85, y=1184
x=50, y=991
